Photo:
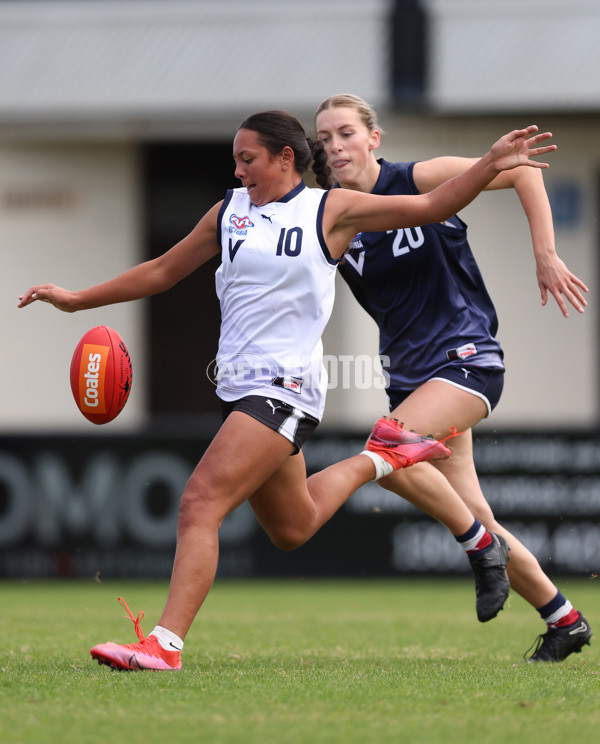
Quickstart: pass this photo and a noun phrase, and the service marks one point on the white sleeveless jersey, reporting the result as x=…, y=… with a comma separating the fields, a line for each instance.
x=276, y=286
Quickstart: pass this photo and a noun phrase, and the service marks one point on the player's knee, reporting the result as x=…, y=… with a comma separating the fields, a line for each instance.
x=288, y=538
x=199, y=503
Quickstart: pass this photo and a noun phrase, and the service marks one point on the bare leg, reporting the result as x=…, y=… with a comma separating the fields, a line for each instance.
x=432, y=409
x=245, y=458
x=291, y=515
x=217, y=486
x=525, y=573
x=430, y=491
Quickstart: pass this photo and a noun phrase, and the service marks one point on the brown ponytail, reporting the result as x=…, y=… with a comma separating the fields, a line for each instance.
x=320, y=167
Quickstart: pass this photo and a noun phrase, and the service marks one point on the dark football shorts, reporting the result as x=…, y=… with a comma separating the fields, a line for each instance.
x=484, y=382
x=290, y=422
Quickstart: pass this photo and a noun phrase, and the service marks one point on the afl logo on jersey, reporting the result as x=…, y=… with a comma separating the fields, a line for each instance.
x=240, y=225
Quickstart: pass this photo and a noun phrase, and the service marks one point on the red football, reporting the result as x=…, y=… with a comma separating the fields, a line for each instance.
x=101, y=375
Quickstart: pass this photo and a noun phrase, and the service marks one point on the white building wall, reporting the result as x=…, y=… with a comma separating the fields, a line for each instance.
x=69, y=216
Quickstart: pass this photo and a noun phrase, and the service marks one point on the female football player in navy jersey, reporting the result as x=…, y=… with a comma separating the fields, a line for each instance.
x=437, y=325
x=280, y=243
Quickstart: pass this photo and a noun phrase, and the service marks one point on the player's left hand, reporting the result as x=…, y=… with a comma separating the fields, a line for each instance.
x=553, y=276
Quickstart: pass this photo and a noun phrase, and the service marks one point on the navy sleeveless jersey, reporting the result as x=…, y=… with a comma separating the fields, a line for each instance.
x=423, y=288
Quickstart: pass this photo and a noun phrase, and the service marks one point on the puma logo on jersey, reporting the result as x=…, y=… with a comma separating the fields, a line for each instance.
x=466, y=371
x=268, y=217
x=461, y=353
x=289, y=383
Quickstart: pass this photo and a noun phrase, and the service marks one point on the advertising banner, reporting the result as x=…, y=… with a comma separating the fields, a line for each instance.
x=105, y=507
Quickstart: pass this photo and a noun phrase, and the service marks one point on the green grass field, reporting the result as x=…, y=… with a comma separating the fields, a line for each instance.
x=294, y=662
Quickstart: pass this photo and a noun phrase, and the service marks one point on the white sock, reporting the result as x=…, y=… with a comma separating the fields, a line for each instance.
x=382, y=466
x=168, y=640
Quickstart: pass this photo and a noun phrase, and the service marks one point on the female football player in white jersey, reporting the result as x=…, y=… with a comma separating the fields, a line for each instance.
x=437, y=325
x=280, y=243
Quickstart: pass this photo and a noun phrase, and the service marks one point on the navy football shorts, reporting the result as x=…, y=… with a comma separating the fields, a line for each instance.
x=484, y=382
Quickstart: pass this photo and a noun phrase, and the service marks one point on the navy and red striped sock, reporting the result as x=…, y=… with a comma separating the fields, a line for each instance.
x=476, y=539
x=559, y=612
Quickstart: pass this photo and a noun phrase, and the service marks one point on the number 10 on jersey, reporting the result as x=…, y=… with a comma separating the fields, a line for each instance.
x=290, y=242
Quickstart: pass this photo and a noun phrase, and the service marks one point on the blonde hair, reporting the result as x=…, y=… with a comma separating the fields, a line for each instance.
x=366, y=113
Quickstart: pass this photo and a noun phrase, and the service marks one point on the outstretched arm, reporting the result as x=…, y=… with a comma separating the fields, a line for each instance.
x=143, y=280
x=349, y=212
x=553, y=276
